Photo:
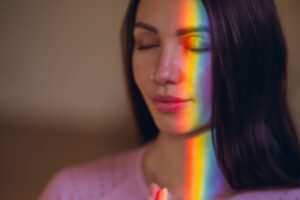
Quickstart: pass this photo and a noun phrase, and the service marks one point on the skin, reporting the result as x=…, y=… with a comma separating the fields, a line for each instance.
x=165, y=55
x=167, y=60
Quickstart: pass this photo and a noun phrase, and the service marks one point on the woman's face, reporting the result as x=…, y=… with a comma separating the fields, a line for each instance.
x=172, y=63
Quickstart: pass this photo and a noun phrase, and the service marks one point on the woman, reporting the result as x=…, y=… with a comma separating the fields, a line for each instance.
x=208, y=84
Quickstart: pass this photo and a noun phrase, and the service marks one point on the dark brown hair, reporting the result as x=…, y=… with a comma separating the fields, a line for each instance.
x=254, y=138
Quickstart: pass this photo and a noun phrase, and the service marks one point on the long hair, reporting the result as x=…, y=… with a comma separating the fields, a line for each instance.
x=254, y=138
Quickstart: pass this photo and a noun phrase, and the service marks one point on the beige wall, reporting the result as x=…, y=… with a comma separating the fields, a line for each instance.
x=61, y=59
x=62, y=96
x=289, y=11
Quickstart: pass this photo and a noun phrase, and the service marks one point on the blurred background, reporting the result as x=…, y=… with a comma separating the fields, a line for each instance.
x=62, y=91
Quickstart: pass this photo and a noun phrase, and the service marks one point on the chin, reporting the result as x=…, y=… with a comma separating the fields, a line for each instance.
x=182, y=127
x=184, y=122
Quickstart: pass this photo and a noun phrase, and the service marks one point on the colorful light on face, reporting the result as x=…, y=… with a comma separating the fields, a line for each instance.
x=201, y=169
x=196, y=64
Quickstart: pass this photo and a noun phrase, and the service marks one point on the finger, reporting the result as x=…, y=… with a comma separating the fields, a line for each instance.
x=154, y=189
x=162, y=194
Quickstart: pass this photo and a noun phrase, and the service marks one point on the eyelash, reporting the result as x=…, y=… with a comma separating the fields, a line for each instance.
x=194, y=50
x=198, y=50
x=146, y=47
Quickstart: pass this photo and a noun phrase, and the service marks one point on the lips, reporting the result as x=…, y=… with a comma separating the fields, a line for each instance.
x=167, y=103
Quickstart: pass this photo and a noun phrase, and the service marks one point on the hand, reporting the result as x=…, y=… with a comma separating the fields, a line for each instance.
x=158, y=194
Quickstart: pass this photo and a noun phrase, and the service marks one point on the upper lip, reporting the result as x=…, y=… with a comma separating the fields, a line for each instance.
x=168, y=98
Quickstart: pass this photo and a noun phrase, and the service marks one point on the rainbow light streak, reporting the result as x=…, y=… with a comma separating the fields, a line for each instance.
x=201, y=168
x=198, y=168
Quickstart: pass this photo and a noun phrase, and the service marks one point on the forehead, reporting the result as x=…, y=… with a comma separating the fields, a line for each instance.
x=171, y=14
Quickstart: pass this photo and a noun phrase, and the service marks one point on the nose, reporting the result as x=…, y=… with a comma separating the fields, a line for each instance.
x=168, y=70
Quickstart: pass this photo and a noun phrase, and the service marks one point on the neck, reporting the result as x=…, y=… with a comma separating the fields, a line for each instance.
x=186, y=166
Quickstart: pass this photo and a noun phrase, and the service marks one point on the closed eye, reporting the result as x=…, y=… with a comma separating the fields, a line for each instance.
x=147, y=47
x=195, y=44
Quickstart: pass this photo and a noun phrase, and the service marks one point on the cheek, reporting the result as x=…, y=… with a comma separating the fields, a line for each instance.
x=207, y=81
x=204, y=81
x=141, y=71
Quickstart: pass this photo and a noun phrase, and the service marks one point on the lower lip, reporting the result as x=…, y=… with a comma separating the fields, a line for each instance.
x=170, y=106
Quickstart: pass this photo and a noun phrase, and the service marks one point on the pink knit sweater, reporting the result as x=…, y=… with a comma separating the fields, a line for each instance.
x=120, y=177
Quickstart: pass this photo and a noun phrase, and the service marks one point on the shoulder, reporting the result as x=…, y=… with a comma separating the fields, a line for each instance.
x=94, y=179
x=280, y=194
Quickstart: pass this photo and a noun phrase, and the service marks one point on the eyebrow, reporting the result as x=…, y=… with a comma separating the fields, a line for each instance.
x=179, y=32
x=146, y=26
x=183, y=31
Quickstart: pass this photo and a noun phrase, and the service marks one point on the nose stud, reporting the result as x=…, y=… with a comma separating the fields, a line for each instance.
x=152, y=77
